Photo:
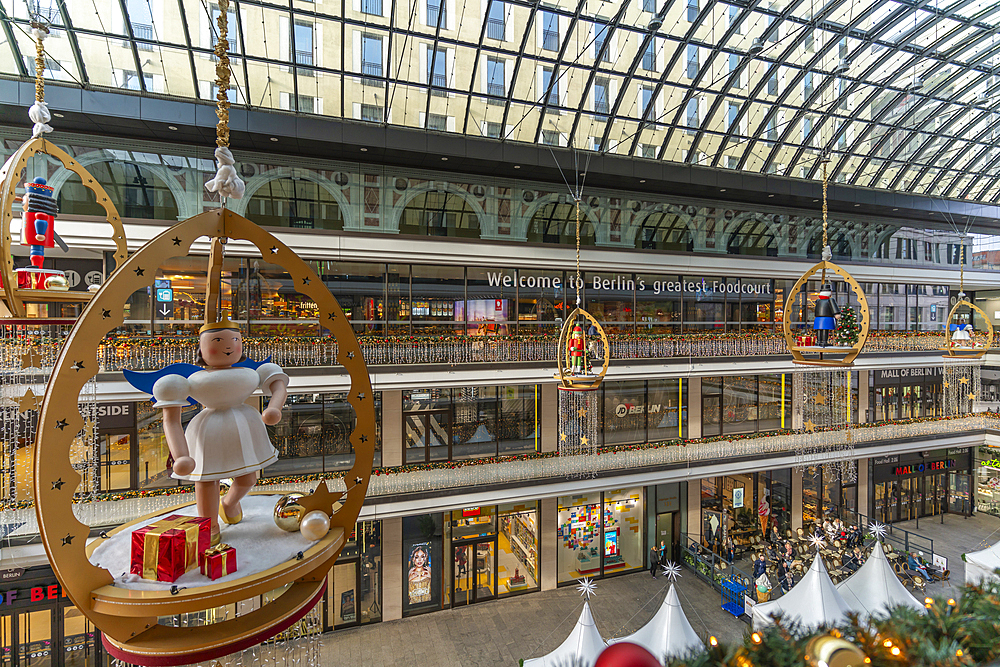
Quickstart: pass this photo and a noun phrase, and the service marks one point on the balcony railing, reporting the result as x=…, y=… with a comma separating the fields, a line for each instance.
x=495, y=29
x=371, y=70
x=142, y=31
x=550, y=40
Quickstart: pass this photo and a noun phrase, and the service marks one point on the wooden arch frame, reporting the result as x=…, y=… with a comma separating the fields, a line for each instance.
x=566, y=379
x=128, y=619
x=10, y=174
x=864, y=321
x=967, y=353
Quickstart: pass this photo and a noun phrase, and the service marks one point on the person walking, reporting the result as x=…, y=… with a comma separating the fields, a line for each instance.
x=759, y=566
x=783, y=575
x=664, y=554
x=654, y=560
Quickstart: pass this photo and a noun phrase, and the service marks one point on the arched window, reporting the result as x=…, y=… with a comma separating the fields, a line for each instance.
x=556, y=223
x=839, y=243
x=439, y=213
x=294, y=202
x=752, y=236
x=664, y=230
x=133, y=188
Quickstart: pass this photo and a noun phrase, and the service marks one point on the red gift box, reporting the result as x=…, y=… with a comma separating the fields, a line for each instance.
x=168, y=548
x=218, y=561
x=805, y=341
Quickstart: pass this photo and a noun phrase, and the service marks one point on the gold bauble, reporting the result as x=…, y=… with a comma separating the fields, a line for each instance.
x=224, y=485
x=315, y=525
x=834, y=652
x=57, y=283
x=288, y=511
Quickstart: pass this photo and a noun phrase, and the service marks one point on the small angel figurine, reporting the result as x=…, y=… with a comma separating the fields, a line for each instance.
x=228, y=438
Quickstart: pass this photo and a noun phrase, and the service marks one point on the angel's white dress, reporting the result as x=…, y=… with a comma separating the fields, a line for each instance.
x=227, y=438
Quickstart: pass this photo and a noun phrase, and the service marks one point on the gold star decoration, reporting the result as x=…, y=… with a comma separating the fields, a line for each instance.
x=320, y=499
x=972, y=397
x=819, y=399
x=562, y=437
x=582, y=412
x=584, y=440
x=810, y=425
x=31, y=359
x=28, y=402
x=947, y=384
x=964, y=380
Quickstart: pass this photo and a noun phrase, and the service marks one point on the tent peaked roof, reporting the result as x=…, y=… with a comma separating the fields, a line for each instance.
x=875, y=588
x=979, y=565
x=581, y=648
x=668, y=633
x=814, y=601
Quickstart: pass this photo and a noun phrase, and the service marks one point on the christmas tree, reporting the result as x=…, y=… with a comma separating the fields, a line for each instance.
x=848, y=330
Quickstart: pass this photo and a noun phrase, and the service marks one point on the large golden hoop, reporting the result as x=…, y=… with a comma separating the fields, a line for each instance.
x=10, y=174
x=135, y=636
x=968, y=353
x=566, y=379
x=865, y=319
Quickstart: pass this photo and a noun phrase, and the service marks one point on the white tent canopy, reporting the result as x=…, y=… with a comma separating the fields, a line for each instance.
x=979, y=565
x=668, y=633
x=814, y=601
x=875, y=588
x=581, y=648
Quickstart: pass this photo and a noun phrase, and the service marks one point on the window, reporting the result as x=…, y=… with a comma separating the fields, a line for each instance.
x=371, y=58
x=602, y=104
x=496, y=21
x=437, y=122
x=692, y=61
x=807, y=85
x=494, y=130
x=810, y=40
x=372, y=7
x=807, y=127
x=437, y=14
x=732, y=115
x=371, y=113
x=550, y=137
x=213, y=26
x=495, y=79
x=772, y=84
x=649, y=56
x=772, y=129
x=841, y=137
x=550, y=90
x=550, y=30
x=230, y=95
x=692, y=115
x=437, y=70
x=732, y=162
x=649, y=6
x=734, y=16
x=140, y=18
x=928, y=252
x=692, y=10
x=646, y=99
x=842, y=49
x=772, y=35
x=130, y=80
x=306, y=104
x=734, y=66
x=647, y=151
x=304, y=45
x=600, y=38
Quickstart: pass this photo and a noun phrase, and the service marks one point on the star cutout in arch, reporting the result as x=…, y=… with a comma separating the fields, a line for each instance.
x=58, y=484
x=61, y=424
x=306, y=281
x=105, y=313
x=77, y=366
x=67, y=540
x=139, y=271
x=31, y=359
x=274, y=250
x=176, y=241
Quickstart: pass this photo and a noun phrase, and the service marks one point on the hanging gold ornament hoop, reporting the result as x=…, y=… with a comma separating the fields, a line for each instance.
x=14, y=297
x=128, y=618
x=841, y=355
x=974, y=351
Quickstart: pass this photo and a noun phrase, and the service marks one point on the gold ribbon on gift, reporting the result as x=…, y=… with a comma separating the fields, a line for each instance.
x=217, y=550
x=151, y=550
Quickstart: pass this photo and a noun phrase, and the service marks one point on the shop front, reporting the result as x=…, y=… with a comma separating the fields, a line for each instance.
x=919, y=484
x=906, y=393
x=742, y=506
x=40, y=627
x=988, y=480
x=600, y=534
x=354, y=587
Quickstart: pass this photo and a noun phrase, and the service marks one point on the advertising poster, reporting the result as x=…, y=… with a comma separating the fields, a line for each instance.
x=419, y=574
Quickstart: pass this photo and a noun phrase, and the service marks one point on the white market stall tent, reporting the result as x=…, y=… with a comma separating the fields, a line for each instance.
x=875, y=589
x=980, y=565
x=580, y=649
x=668, y=633
x=813, y=602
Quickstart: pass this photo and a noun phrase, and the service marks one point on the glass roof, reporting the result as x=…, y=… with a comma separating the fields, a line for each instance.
x=903, y=94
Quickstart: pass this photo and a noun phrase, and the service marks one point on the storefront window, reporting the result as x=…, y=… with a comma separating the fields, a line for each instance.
x=475, y=422
x=610, y=299
x=397, y=299
x=437, y=299
x=579, y=537
x=623, y=530
x=423, y=563
x=517, y=548
x=520, y=419
x=491, y=299
x=658, y=303
x=541, y=300
x=624, y=412
x=153, y=452
x=355, y=589
x=738, y=404
x=666, y=411
x=360, y=291
x=704, y=303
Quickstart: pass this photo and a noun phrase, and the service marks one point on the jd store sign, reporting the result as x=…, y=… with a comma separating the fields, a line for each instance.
x=626, y=409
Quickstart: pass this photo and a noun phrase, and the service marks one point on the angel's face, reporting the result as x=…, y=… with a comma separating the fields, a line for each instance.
x=221, y=348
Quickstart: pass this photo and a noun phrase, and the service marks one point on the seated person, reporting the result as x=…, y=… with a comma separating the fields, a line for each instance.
x=789, y=553
x=916, y=568
x=827, y=527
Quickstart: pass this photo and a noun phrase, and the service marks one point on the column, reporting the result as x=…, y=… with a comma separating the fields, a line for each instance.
x=863, y=399
x=694, y=415
x=550, y=423
x=863, y=487
x=694, y=508
x=392, y=428
x=392, y=569
x=796, y=499
x=549, y=542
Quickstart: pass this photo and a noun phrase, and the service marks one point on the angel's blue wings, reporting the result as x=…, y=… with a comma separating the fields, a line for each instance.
x=144, y=380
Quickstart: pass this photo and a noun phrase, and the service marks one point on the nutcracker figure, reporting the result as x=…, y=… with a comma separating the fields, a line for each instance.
x=39, y=220
x=575, y=346
x=826, y=314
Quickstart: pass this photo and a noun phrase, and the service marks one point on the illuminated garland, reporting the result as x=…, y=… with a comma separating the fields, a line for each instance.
x=493, y=460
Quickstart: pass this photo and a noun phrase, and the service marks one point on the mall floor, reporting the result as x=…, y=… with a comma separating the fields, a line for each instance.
x=502, y=632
